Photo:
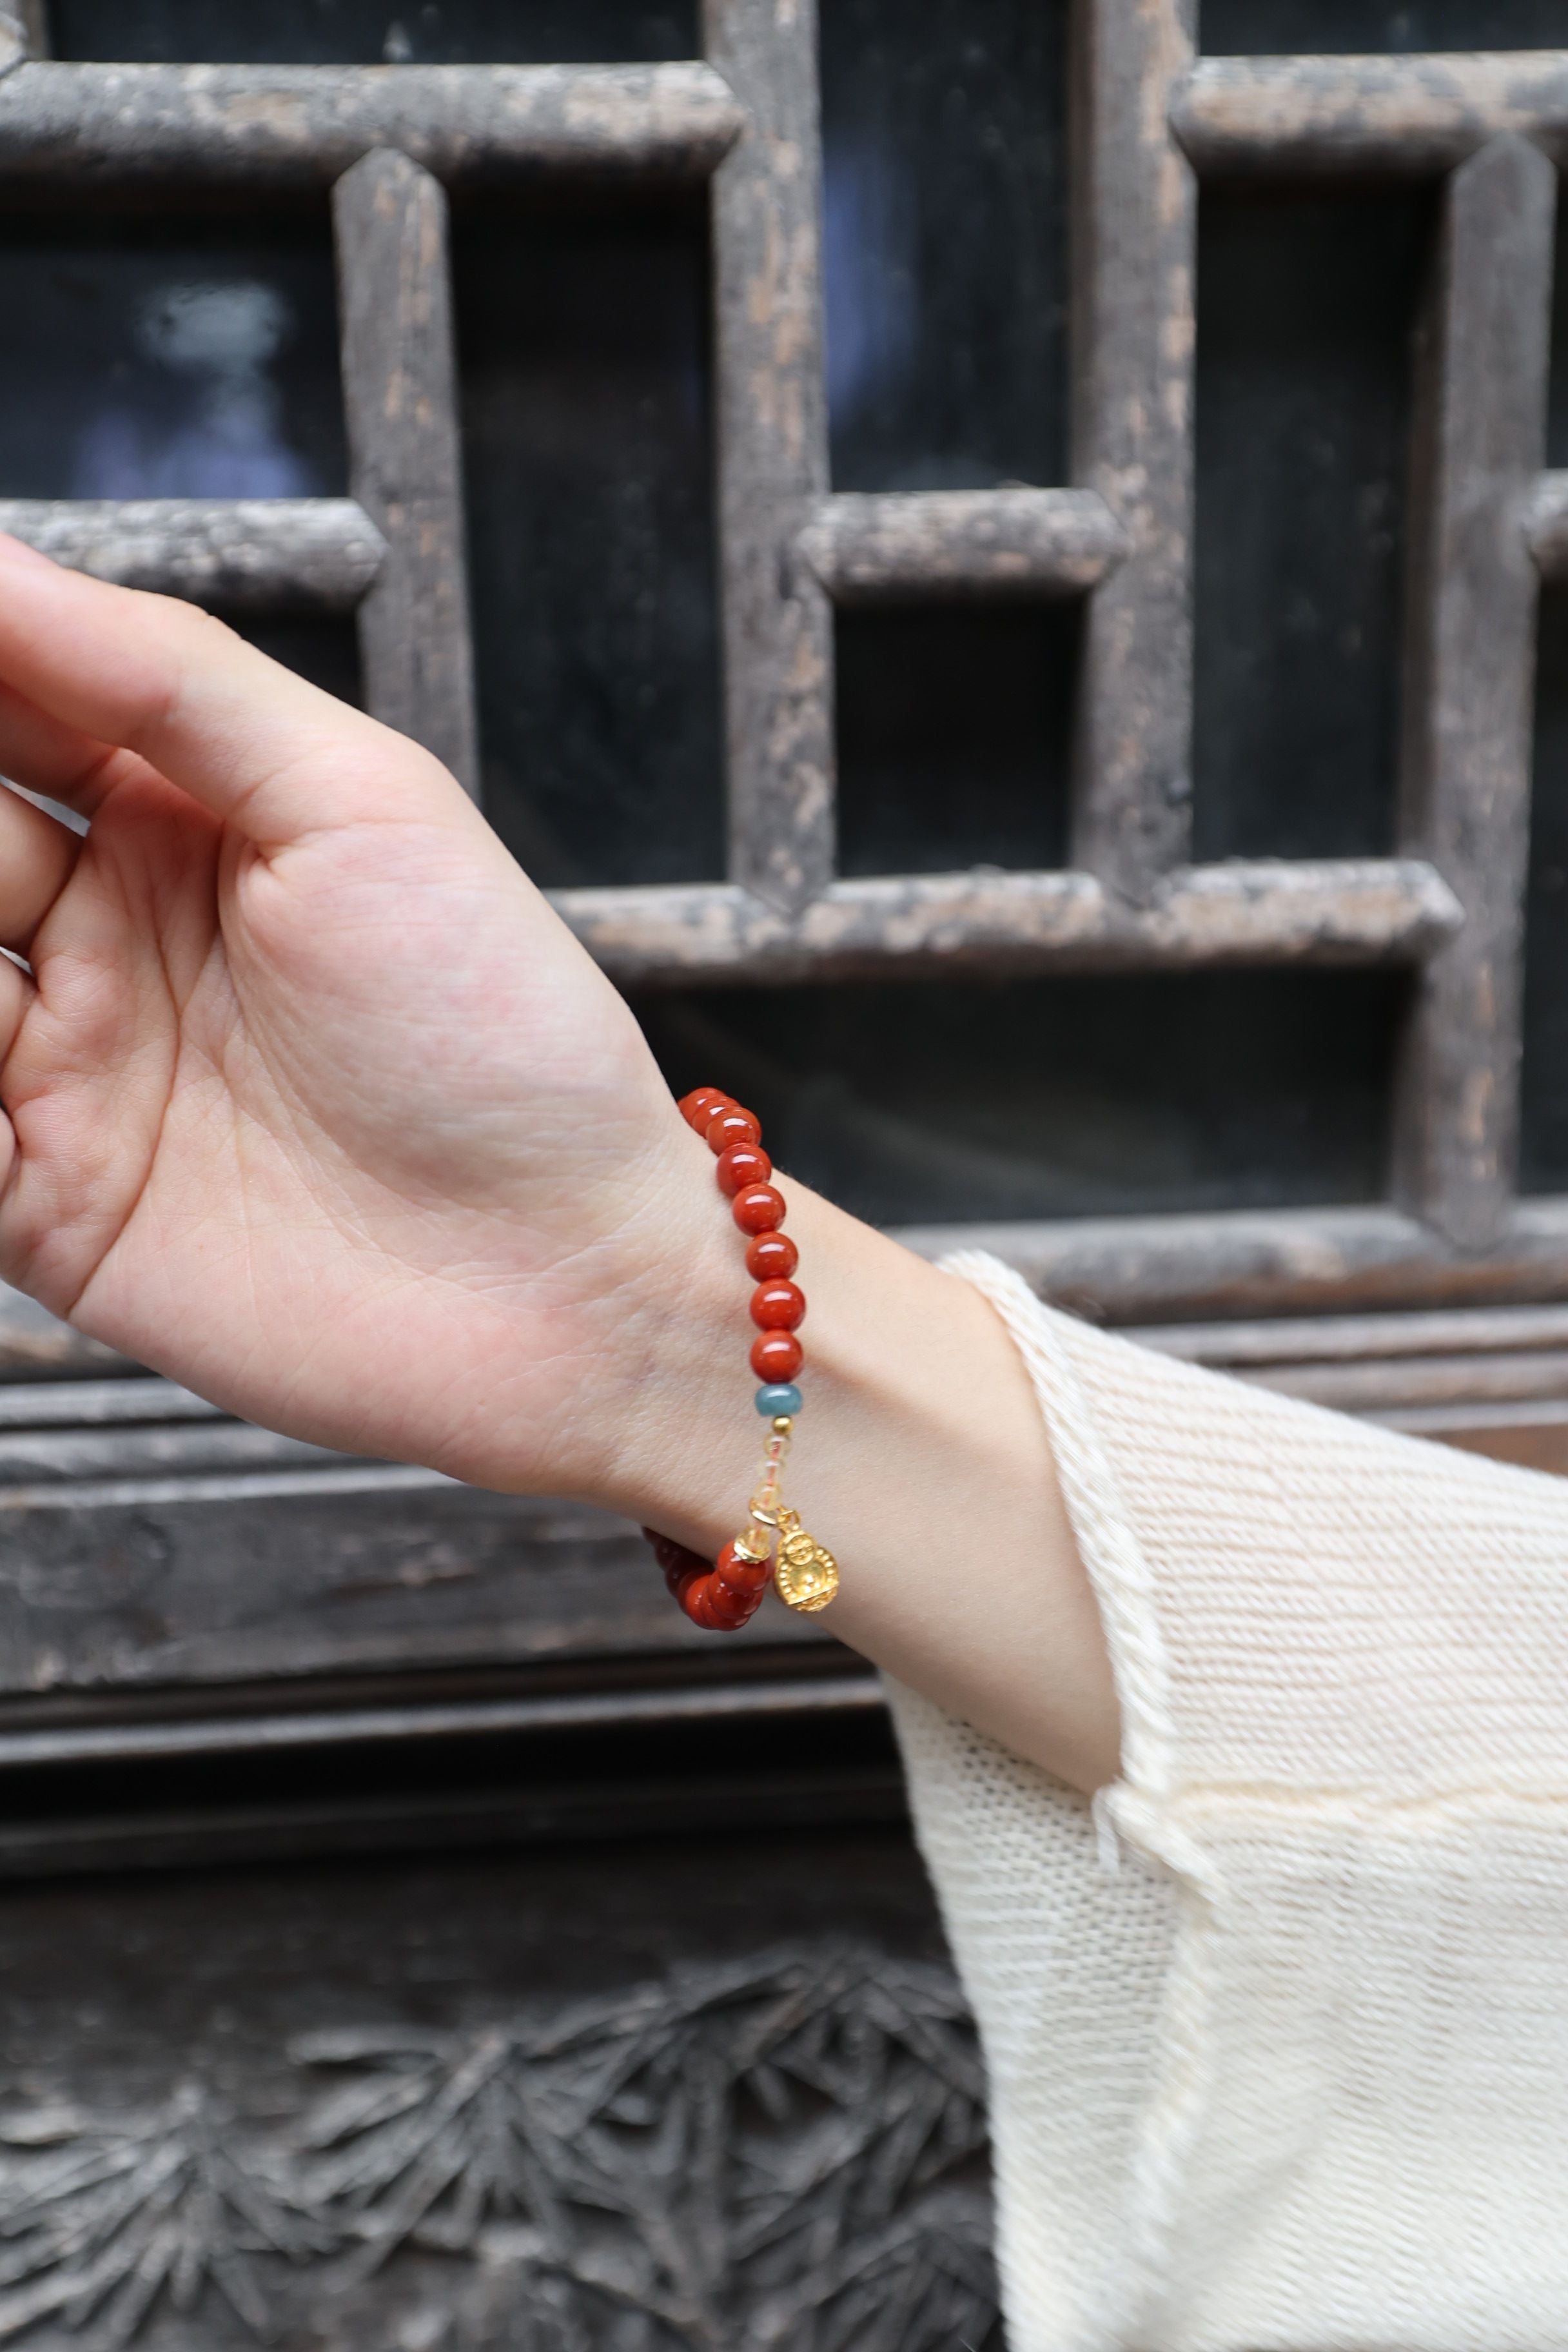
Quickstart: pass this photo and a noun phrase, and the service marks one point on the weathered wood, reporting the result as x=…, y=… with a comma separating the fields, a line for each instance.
x=1546, y=524
x=868, y=549
x=772, y=424
x=147, y=1580
x=99, y=1404
x=1391, y=1385
x=1133, y=270
x=1529, y=1436
x=1481, y=442
x=437, y=2096
x=394, y=303
x=35, y=1346
x=69, y=129
x=1130, y=1270
x=1349, y=911
x=1355, y=1339
x=251, y=555
x=1413, y=115
x=798, y=1698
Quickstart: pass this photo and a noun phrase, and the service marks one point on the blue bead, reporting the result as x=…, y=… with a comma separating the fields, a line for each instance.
x=779, y=1397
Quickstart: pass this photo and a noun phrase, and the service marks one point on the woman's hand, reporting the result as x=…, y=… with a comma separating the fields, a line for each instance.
x=312, y=1101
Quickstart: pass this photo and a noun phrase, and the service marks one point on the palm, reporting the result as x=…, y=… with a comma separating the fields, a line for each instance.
x=294, y=1098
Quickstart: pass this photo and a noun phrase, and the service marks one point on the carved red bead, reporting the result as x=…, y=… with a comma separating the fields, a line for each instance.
x=771, y=1257
x=777, y=1356
x=742, y=1165
x=740, y=1575
x=777, y=1306
x=757, y=1208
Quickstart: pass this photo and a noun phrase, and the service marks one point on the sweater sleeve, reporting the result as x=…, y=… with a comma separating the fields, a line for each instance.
x=1277, y=2030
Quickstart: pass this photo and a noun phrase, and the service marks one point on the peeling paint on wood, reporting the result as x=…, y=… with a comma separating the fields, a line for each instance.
x=1415, y=115
x=394, y=307
x=1480, y=441
x=772, y=423
x=962, y=543
x=257, y=555
x=71, y=128
x=1349, y=911
x=1268, y=1262
x=1135, y=215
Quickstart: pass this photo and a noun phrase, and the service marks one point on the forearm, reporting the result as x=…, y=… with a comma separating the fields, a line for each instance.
x=919, y=1458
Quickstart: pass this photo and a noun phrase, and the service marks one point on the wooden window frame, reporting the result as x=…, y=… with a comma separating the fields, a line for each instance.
x=1148, y=118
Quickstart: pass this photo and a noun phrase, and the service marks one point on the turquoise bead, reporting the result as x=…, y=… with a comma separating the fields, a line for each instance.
x=778, y=1397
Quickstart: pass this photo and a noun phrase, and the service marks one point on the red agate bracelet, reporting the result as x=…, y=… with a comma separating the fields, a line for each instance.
x=722, y=1595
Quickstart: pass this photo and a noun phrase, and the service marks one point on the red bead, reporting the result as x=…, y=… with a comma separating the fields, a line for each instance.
x=757, y=1208
x=739, y=1575
x=729, y=1124
x=777, y=1306
x=700, y=1105
x=743, y=1164
x=777, y=1356
x=771, y=1257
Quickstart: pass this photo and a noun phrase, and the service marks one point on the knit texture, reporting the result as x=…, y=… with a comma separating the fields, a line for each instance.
x=1277, y=2030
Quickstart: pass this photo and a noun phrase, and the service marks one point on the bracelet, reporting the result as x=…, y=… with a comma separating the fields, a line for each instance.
x=724, y=1595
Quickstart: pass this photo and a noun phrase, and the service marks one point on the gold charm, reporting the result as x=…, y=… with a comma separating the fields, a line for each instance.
x=806, y=1573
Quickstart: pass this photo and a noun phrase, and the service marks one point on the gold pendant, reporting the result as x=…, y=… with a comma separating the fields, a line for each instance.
x=806, y=1573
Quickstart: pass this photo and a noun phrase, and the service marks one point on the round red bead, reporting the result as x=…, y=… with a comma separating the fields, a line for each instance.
x=739, y=1575
x=757, y=1208
x=777, y=1306
x=743, y=1164
x=771, y=1257
x=696, y=1107
x=777, y=1356
x=729, y=1124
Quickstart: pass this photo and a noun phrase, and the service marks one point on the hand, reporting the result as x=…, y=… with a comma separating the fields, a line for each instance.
x=313, y=1102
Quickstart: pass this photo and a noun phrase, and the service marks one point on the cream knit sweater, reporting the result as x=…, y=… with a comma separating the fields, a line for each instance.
x=1277, y=2030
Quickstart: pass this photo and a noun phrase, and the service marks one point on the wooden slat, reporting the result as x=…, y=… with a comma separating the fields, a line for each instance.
x=66, y=130
x=252, y=555
x=1469, y=669
x=1416, y=115
x=1546, y=525
x=1248, y=1262
x=1349, y=911
x=772, y=453
x=874, y=548
x=1353, y=1338
x=400, y=402
x=1135, y=215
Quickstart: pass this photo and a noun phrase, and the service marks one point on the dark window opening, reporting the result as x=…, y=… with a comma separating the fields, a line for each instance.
x=149, y=361
x=1307, y=309
x=1284, y=27
x=374, y=32
x=953, y=728
x=584, y=363
x=950, y=1101
x=1543, y=1140
x=944, y=242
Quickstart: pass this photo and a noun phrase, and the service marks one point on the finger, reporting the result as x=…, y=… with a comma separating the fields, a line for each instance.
x=259, y=747
x=60, y=761
x=16, y=993
x=36, y=855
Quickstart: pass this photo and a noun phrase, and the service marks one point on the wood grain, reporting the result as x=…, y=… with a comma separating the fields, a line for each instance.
x=1346, y=911
x=1414, y=115
x=1134, y=211
x=394, y=307
x=948, y=545
x=68, y=129
x=248, y=555
x=1480, y=444
x=772, y=424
